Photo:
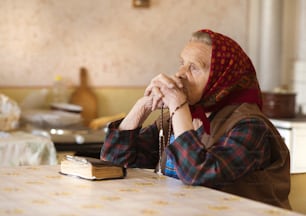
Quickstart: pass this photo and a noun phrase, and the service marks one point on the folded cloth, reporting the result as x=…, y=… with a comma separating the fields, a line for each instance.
x=102, y=121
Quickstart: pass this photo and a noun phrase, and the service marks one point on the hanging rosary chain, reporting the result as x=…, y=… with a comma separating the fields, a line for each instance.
x=162, y=136
x=161, y=141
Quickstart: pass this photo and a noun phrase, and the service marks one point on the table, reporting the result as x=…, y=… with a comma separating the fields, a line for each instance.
x=23, y=148
x=41, y=190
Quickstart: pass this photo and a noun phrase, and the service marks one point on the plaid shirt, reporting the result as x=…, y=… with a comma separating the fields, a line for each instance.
x=243, y=149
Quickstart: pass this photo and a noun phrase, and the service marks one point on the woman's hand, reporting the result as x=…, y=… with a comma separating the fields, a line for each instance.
x=170, y=92
x=165, y=90
x=138, y=114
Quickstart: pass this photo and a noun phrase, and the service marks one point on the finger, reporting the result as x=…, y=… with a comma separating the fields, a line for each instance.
x=156, y=96
x=155, y=82
x=156, y=92
x=148, y=91
x=157, y=103
x=178, y=81
x=163, y=79
x=154, y=104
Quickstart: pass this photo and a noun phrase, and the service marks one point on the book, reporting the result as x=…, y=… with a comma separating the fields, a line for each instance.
x=91, y=168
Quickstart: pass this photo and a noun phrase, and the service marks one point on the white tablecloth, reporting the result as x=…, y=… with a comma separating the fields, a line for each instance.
x=41, y=190
x=22, y=148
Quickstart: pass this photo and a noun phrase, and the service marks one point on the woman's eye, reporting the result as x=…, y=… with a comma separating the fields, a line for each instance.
x=193, y=67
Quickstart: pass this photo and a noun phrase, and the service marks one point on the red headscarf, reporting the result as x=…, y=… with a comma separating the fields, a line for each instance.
x=232, y=79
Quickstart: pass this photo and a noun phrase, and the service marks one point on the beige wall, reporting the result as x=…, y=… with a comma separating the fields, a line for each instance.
x=120, y=45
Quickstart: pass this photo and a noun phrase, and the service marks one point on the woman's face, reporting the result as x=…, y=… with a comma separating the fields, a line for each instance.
x=194, y=69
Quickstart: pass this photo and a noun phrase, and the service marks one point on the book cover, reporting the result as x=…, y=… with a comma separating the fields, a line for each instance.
x=91, y=168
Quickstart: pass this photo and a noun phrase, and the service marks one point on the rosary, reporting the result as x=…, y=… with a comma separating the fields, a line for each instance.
x=162, y=143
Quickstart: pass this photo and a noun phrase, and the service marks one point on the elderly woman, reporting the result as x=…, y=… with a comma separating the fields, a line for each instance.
x=214, y=133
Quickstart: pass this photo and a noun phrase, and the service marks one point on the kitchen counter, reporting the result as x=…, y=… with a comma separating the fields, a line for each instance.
x=293, y=130
x=41, y=190
x=294, y=133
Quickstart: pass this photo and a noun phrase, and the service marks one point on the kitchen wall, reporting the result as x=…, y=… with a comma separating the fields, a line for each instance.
x=120, y=45
x=124, y=47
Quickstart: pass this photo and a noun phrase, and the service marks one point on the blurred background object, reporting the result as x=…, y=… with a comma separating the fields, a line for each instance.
x=9, y=113
x=85, y=97
x=279, y=103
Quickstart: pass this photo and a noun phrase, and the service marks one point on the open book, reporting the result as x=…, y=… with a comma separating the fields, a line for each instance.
x=91, y=168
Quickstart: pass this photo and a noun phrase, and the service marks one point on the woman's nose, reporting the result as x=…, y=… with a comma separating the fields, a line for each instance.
x=181, y=73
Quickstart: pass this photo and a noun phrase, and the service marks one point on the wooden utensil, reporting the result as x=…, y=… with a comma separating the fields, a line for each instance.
x=85, y=97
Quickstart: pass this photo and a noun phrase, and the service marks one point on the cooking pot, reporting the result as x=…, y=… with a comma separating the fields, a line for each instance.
x=279, y=105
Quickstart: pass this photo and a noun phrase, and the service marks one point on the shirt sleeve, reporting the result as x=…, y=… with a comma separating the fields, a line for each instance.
x=131, y=148
x=243, y=149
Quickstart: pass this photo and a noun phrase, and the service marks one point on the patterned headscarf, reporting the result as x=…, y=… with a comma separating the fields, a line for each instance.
x=232, y=79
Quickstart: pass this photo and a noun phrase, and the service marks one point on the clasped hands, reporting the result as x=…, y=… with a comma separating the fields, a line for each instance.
x=167, y=91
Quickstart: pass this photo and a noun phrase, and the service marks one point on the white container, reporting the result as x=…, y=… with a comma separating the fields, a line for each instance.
x=59, y=90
